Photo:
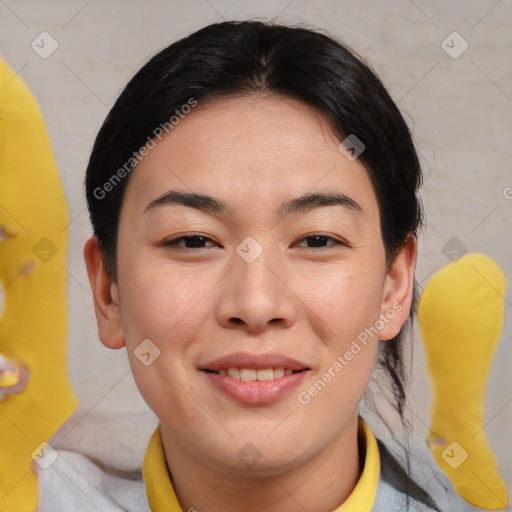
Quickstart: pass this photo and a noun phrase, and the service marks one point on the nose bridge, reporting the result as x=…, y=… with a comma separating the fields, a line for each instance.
x=254, y=294
x=253, y=277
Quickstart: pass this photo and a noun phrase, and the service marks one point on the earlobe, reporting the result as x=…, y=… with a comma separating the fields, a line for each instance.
x=398, y=289
x=106, y=297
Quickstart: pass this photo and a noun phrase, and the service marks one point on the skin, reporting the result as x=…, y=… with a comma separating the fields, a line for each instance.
x=305, y=301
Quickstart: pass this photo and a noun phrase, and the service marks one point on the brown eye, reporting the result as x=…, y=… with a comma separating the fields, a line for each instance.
x=320, y=241
x=189, y=242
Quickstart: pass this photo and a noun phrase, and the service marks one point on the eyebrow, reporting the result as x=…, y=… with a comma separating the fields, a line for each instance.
x=212, y=205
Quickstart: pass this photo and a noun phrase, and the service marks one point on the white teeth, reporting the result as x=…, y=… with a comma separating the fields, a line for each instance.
x=249, y=374
x=234, y=373
x=265, y=374
x=278, y=372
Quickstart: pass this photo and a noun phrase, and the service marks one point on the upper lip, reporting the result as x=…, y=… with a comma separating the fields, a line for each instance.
x=254, y=361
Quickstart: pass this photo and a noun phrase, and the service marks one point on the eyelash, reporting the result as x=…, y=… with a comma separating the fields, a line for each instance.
x=174, y=243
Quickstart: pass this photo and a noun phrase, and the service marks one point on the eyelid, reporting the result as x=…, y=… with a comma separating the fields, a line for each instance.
x=173, y=242
x=337, y=241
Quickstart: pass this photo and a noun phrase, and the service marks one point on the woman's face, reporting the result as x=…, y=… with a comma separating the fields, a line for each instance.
x=269, y=286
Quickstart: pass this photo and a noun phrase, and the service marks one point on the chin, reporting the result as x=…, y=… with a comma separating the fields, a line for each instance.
x=261, y=465
x=257, y=456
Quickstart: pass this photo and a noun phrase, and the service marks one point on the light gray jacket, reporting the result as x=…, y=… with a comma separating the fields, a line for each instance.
x=75, y=482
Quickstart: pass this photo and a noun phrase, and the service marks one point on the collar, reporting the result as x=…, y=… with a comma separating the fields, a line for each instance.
x=161, y=495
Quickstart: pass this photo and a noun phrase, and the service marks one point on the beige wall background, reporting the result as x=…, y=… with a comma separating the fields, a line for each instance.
x=460, y=111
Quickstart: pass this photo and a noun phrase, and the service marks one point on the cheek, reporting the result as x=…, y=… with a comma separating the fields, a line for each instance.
x=345, y=307
x=162, y=305
x=343, y=303
x=345, y=310
x=157, y=301
x=159, y=306
x=335, y=391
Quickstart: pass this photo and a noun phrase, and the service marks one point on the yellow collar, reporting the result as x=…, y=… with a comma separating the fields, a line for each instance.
x=162, y=498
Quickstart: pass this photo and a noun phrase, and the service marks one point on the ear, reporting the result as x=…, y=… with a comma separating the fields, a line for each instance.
x=398, y=289
x=106, y=297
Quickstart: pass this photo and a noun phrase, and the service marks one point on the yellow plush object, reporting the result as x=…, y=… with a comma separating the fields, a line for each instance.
x=33, y=325
x=461, y=313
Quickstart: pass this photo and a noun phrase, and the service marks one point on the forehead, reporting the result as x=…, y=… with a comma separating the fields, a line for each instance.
x=250, y=151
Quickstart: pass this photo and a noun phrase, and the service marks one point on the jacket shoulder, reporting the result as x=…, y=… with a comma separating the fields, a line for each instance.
x=396, y=490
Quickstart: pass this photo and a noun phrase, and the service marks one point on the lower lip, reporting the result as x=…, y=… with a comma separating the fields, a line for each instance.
x=256, y=392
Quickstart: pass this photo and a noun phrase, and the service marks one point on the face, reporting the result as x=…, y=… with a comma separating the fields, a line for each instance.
x=257, y=282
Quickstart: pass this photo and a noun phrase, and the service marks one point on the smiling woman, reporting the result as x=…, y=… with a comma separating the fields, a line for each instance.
x=246, y=253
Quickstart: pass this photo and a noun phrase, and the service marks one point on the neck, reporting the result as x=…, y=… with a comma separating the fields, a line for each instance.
x=322, y=483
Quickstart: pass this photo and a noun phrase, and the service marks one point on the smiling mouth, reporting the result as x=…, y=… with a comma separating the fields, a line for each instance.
x=251, y=374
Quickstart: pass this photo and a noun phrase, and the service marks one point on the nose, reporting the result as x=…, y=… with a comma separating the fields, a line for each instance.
x=256, y=296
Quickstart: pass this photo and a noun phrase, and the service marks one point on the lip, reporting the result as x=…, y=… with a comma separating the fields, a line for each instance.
x=254, y=361
x=255, y=392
